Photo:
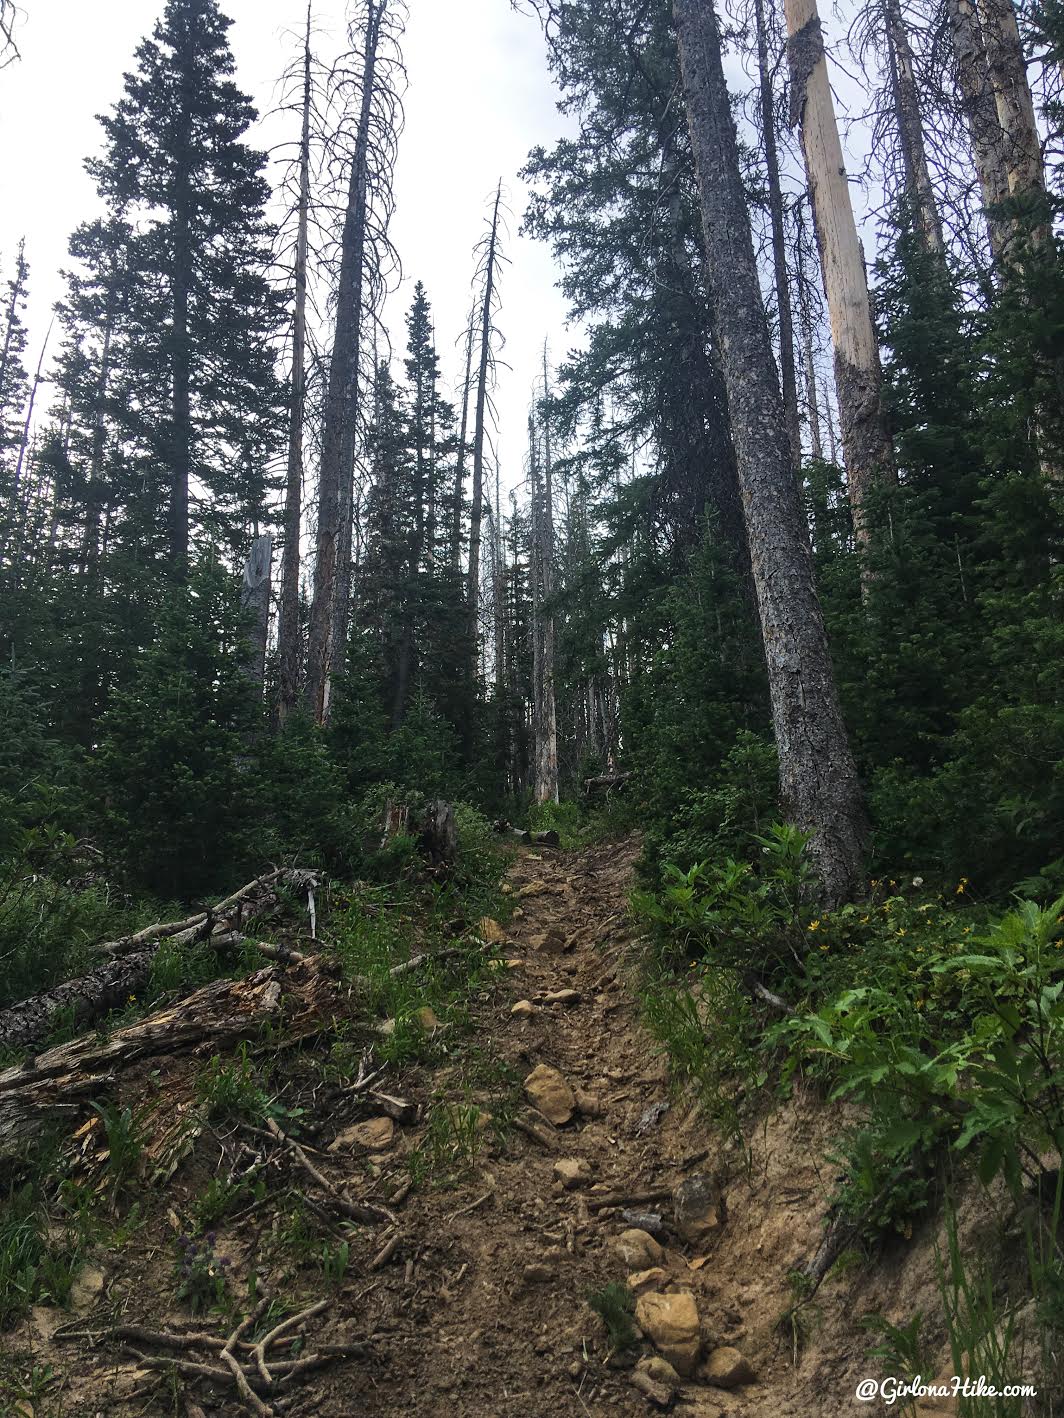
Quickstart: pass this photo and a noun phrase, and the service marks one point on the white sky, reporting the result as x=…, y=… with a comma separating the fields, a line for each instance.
x=479, y=97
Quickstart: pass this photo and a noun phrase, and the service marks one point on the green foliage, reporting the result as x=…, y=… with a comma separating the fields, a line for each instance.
x=126, y=1136
x=615, y=1306
x=38, y=1260
x=231, y=1089
x=452, y=1142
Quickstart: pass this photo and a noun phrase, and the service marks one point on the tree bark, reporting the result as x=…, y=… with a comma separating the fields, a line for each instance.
x=288, y=618
x=906, y=98
x=332, y=566
x=1021, y=146
x=980, y=115
x=546, y=782
x=788, y=378
x=866, y=444
x=818, y=779
x=255, y=602
x=477, y=512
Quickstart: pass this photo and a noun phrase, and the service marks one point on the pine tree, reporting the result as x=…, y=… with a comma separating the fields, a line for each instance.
x=199, y=396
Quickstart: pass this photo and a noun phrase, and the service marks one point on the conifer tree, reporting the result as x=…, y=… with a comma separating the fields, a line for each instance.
x=200, y=399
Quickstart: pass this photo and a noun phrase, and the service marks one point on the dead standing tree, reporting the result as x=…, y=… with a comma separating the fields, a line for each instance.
x=486, y=283
x=866, y=443
x=365, y=109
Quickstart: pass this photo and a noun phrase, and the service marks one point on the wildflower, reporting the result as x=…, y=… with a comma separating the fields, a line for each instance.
x=813, y=926
x=918, y=1004
x=961, y=886
x=918, y=881
x=865, y=920
x=131, y=999
x=901, y=930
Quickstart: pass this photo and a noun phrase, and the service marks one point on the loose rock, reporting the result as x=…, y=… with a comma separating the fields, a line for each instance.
x=726, y=1368
x=696, y=1207
x=642, y=1280
x=550, y=942
x=568, y=998
x=572, y=1172
x=588, y=1105
x=490, y=932
x=660, y=1370
x=637, y=1249
x=657, y=1394
x=373, y=1135
x=551, y=1094
x=523, y=1009
x=672, y=1323
x=533, y=888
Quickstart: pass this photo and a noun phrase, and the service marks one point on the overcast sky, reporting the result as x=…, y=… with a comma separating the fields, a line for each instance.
x=480, y=96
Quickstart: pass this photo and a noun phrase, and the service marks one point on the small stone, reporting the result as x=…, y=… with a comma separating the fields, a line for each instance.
x=373, y=1135
x=533, y=888
x=660, y=1370
x=642, y=1280
x=652, y=1391
x=572, y=1172
x=638, y=1250
x=551, y=1094
x=588, y=1105
x=566, y=998
x=426, y=1017
x=575, y=1369
x=490, y=932
x=696, y=1207
x=515, y=964
x=87, y=1287
x=672, y=1323
x=550, y=942
x=523, y=1009
x=506, y=889
x=537, y=1274
x=726, y=1368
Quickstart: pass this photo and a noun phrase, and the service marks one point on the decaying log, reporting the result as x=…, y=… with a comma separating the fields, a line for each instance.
x=605, y=782
x=57, y=1082
x=110, y=985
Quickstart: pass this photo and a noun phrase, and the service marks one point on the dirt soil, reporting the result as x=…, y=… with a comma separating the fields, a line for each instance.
x=480, y=1307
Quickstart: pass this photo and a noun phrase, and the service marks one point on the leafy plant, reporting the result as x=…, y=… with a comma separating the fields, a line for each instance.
x=202, y=1275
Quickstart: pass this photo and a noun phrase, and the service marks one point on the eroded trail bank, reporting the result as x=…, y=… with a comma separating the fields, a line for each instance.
x=446, y=1222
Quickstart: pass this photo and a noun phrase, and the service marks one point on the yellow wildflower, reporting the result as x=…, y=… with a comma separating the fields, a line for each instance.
x=813, y=926
x=961, y=886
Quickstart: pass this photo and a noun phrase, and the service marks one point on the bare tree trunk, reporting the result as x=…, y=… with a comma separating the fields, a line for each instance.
x=788, y=376
x=255, y=602
x=818, y=779
x=866, y=444
x=459, y=472
x=805, y=321
x=23, y=447
x=479, y=419
x=906, y=97
x=980, y=114
x=288, y=619
x=546, y=784
x=1007, y=69
x=332, y=566
x=89, y=555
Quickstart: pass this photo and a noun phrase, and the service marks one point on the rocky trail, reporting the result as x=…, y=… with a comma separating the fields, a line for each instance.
x=472, y=1297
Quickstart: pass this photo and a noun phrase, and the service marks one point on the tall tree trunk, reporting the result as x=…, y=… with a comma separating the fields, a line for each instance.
x=788, y=377
x=500, y=594
x=906, y=99
x=805, y=320
x=288, y=618
x=332, y=566
x=181, y=350
x=479, y=419
x=89, y=556
x=23, y=447
x=459, y=471
x=1007, y=68
x=255, y=603
x=866, y=445
x=546, y=785
x=818, y=779
x=980, y=115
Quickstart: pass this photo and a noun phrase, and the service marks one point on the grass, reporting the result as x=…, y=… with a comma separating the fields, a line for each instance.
x=615, y=1306
x=231, y=1089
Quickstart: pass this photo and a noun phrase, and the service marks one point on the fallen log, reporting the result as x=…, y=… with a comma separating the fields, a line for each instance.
x=110, y=985
x=605, y=782
x=57, y=1083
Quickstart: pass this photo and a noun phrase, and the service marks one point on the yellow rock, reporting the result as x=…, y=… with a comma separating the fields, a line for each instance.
x=672, y=1324
x=373, y=1135
x=427, y=1018
x=490, y=932
x=550, y=1093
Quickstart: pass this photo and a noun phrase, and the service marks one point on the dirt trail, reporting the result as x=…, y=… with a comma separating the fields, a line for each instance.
x=480, y=1309
x=498, y=1297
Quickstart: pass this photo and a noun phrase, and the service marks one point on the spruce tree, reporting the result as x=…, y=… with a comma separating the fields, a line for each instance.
x=199, y=395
